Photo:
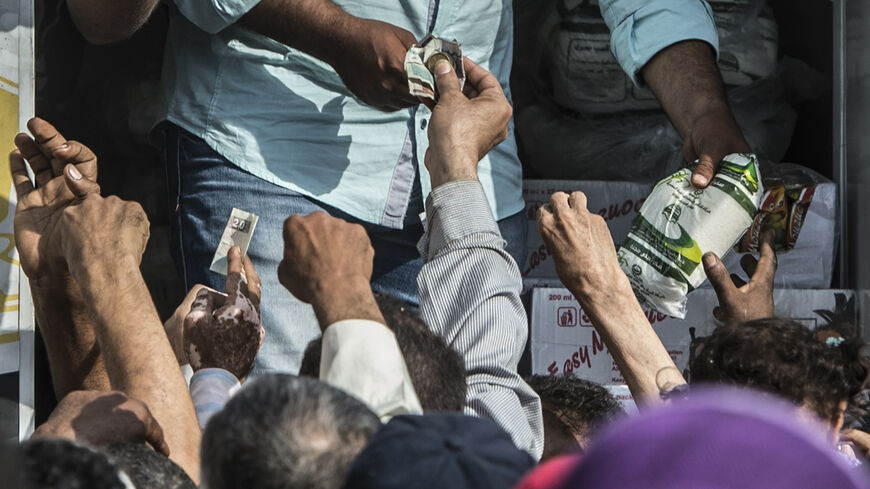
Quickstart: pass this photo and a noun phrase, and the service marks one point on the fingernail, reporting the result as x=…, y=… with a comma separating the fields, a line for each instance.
x=709, y=260
x=442, y=68
x=699, y=180
x=74, y=173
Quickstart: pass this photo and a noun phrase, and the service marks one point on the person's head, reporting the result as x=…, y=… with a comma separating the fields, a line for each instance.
x=437, y=372
x=777, y=356
x=53, y=463
x=573, y=409
x=723, y=438
x=439, y=450
x=146, y=468
x=282, y=431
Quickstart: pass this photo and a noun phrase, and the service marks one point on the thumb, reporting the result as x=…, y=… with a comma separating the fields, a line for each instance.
x=446, y=80
x=78, y=184
x=718, y=275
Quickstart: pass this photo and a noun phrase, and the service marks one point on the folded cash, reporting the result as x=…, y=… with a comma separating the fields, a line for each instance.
x=421, y=60
x=238, y=232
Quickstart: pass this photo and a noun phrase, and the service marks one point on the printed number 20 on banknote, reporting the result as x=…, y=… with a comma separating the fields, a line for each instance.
x=238, y=232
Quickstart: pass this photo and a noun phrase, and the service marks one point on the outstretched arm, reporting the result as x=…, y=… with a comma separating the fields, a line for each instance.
x=103, y=242
x=360, y=354
x=586, y=262
x=469, y=286
x=73, y=353
x=368, y=55
x=687, y=82
x=671, y=45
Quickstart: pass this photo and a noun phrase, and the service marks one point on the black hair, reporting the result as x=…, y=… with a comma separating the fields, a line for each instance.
x=146, y=468
x=437, y=371
x=285, y=432
x=581, y=404
x=53, y=463
x=778, y=356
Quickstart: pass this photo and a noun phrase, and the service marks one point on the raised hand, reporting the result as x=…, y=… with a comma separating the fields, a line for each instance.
x=64, y=171
x=102, y=418
x=99, y=232
x=465, y=125
x=328, y=264
x=739, y=301
x=224, y=330
x=581, y=245
x=372, y=63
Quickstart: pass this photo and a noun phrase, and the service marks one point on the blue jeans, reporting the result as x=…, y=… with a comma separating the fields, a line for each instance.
x=203, y=189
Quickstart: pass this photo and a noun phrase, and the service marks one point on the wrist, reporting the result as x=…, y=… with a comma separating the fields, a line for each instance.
x=104, y=274
x=604, y=295
x=346, y=298
x=451, y=168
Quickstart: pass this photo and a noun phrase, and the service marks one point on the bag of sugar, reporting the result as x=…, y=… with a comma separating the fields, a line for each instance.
x=678, y=223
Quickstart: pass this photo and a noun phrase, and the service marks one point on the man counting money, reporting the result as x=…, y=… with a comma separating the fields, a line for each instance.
x=281, y=107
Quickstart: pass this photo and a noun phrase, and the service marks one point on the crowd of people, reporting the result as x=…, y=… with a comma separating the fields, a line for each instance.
x=314, y=364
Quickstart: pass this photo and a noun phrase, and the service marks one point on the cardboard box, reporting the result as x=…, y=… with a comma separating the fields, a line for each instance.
x=563, y=340
x=808, y=266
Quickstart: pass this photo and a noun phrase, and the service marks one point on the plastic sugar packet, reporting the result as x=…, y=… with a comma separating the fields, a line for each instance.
x=678, y=223
x=238, y=232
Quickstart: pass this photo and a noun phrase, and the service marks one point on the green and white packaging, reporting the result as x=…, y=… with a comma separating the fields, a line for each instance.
x=678, y=223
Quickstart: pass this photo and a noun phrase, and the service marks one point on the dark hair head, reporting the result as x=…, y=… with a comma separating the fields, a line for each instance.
x=573, y=409
x=61, y=464
x=437, y=372
x=146, y=468
x=778, y=356
x=285, y=432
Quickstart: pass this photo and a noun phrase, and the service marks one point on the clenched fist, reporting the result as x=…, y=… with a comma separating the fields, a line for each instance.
x=328, y=264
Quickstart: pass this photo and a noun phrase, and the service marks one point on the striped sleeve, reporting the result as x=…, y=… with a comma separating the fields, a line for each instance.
x=470, y=296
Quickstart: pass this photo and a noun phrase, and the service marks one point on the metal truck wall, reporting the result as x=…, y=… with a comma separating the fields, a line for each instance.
x=16, y=318
x=852, y=146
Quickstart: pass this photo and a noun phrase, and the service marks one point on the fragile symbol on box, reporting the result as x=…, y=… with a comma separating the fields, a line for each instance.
x=567, y=317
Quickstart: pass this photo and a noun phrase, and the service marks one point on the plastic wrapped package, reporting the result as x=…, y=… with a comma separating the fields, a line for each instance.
x=678, y=223
x=801, y=206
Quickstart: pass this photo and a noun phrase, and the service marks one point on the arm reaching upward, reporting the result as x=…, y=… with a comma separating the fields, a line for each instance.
x=104, y=239
x=586, y=262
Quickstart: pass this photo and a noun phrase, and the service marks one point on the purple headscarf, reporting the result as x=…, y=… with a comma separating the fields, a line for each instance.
x=718, y=439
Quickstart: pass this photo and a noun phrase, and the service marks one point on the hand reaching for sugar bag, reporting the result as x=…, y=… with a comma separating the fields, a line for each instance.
x=678, y=223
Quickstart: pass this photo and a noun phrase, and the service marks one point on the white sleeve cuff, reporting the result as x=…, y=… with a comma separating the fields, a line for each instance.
x=363, y=358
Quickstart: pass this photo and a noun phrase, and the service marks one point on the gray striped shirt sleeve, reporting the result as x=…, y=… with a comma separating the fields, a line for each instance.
x=470, y=296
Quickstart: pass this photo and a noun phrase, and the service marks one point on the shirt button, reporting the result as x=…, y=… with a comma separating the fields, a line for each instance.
x=423, y=123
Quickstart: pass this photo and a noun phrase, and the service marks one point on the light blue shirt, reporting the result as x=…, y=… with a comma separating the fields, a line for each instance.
x=287, y=118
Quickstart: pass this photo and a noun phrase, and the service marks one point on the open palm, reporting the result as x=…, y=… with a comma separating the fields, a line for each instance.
x=41, y=203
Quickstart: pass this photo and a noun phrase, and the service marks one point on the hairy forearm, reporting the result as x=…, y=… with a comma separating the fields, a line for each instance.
x=70, y=342
x=139, y=360
x=685, y=79
x=107, y=21
x=319, y=28
x=635, y=347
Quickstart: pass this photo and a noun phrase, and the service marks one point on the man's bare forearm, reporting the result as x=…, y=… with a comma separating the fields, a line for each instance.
x=107, y=21
x=637, y=350
x=315, y=27
x=685, y=79
x=139, y=360
x=67, y=330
